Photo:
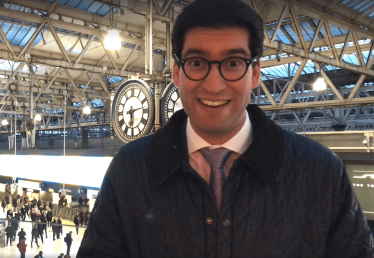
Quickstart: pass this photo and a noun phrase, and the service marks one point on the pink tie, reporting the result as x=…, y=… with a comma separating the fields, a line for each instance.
x=216, y=159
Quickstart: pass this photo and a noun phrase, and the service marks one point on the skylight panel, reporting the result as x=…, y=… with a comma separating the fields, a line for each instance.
x=85, y=4
x=21, y=34
x=292, y=34
x=62, y=2
x=74, y=3
x=27, y=36
x=104, y=10
x=94, y=7
x=351, y=58
x=13, y=32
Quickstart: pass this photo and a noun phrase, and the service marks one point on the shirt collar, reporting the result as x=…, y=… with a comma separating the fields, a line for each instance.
x=236, y=143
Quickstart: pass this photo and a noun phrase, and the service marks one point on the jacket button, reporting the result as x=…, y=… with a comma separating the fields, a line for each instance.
x=209, y=221
x=226, y=222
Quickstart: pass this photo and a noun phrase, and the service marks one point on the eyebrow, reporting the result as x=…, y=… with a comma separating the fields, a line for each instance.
x=235, y=51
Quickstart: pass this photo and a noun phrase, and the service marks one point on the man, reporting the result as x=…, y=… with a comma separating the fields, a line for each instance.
x=9, y=233
x=3, y=204
x=76, y=222
x=49, y=216
x=40, y=230
x=61, y=255
x=59, y=228
x=44, y=226
x=68, y=240
x=54, y=229
x=220, y=179
x=34, y=234
x=22, y=247
x=80, y=202
x=21, y=235
x=40, y=255
x=14, y=223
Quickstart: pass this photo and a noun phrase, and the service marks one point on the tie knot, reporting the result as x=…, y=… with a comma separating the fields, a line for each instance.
x=215, y=157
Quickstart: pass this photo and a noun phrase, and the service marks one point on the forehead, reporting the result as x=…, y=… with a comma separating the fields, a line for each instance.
x=211, y=41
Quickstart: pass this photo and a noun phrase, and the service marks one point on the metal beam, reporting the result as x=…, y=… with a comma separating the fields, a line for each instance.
x=297, y=28
x=281, y=18
x=5, y=40
x=83, y=67
x=329, y=82
x=32, y=38
x=85, y=49
x=293, y=82
x=320, y=104
x=311, y=46
x=59, y=43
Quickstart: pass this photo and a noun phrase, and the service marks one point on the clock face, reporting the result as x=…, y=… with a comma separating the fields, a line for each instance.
x=170, y=102
x=132, y=110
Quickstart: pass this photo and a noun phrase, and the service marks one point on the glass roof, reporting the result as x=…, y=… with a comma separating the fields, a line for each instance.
x=363, y=6
x=18, y=34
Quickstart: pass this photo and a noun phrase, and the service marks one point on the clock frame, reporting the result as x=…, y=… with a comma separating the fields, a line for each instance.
x=132, y=110
x=170, y=102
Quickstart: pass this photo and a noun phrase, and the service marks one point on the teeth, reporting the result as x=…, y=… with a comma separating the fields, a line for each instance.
x=213, y=103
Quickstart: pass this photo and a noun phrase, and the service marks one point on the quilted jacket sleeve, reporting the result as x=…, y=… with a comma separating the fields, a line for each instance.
x=103, y=236
x=349, y=234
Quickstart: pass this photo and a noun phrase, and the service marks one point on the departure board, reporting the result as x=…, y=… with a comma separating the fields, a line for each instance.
x=362, y=178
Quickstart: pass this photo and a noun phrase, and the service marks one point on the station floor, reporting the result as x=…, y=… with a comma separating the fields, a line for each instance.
x=50, y=248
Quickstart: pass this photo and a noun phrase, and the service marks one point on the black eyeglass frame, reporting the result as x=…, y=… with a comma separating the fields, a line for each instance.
x=247, y=61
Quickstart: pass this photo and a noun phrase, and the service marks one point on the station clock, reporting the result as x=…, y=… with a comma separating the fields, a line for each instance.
x=132, y=110
x=170, y=102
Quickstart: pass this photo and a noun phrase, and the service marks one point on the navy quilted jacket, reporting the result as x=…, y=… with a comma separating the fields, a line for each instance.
x=286, y=196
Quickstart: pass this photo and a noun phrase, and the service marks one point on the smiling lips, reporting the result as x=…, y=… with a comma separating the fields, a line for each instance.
x=213, y=103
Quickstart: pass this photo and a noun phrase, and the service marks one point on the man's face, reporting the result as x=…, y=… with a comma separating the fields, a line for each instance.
x=215, y=106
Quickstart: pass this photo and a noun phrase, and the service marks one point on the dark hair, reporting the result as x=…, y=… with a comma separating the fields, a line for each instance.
x=219, y=14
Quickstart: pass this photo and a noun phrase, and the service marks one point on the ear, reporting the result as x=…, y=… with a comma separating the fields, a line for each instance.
x=176, y=70
x=256, y=73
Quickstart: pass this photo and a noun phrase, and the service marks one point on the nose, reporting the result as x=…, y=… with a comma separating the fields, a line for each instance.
x=214, y=82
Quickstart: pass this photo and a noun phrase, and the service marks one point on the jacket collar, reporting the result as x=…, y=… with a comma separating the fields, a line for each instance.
x=169, y=147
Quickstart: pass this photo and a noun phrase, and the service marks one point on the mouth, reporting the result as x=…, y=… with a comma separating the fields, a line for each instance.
x=213, y=103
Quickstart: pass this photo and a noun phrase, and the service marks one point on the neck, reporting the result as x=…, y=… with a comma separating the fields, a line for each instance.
x=217, y=139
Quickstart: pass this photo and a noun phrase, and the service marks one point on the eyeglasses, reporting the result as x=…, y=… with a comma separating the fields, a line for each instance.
x=231, y=68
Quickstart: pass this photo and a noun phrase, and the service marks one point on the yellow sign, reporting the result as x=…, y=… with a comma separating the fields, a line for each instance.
x=51, y=190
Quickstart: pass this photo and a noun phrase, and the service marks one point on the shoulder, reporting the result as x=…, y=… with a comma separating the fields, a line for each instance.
x=300, y=146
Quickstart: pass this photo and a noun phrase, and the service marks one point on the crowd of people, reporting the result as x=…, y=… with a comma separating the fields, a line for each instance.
x=40, y=214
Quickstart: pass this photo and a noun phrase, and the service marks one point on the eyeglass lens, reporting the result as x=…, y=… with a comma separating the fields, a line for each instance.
x=231, y=68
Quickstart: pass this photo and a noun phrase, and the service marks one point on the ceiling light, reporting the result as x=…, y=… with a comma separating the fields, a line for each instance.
x=87, y=110
x=320, y=84
x=112, y=41
x=38, y=117
x=4, y=122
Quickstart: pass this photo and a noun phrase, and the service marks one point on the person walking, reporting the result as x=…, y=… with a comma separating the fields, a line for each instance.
x=81, y=216
x=76, y=222
x=61, y=255
x=49, y=216
x=68, y=240
x=22, y=247
x=44, y=226
x=40, y=255
x=35, y=234
x=9, y=233
x=3, y=204
x=15, y=226
x=23, y=212
x=21, y=235
x=59, y=228
x=40, y=231
x=54, y=229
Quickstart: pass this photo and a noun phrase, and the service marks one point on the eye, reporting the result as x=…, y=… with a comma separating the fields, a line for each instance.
x=195, y=62
x=234, y=63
